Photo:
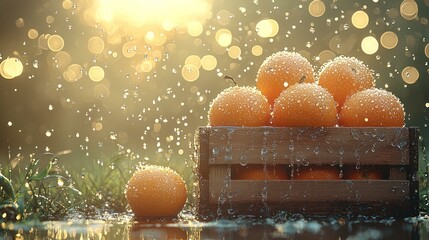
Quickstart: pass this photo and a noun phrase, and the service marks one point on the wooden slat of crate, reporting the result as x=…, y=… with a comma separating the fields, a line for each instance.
x=304, y=191
x=255, y=145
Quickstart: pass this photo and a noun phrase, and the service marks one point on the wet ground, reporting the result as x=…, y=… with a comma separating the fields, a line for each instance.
x=296, y=227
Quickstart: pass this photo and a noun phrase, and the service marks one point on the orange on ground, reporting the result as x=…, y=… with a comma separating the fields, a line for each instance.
x=239, y=106
x=344, y=76
x=280, y=70
x=304, y=105
x=256, y=172
x=364, y=173
x=317, y=173
x=156, y=191
x=372, y=108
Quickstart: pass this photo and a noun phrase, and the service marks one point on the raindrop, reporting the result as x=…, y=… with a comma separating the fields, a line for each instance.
x=316, y=150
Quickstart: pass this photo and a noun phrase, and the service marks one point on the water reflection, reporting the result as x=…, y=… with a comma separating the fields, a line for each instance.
x=241, y=228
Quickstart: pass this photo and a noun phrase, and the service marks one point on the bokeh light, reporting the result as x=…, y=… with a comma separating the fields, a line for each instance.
x=389, y=40
x=267, y=28
x=410, y=74
x=316, y=8
x=257, y=50
x=223, y=37
x=190, y=72
x=33, y=33
x=427, y=50
x=234, y=52
x=11, y=68
x=369, y=45
x=409, y=9
x=95, y=45
x=209, y=62
x=96, y=73
x=55, y=43
x=194, y=60
x=360, y=19
x=73, y=73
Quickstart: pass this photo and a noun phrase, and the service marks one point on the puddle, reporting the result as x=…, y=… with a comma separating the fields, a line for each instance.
x=296, y=227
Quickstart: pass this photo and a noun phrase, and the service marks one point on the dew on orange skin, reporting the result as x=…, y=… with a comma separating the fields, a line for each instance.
x=344, y=76
x=372, y=108
x=304, y=105
x=280, y=70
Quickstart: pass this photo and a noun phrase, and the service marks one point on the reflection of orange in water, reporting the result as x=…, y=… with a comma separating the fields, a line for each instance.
x=239, y=106
x=304, y=105
x=365, y=172
x=156, y=192
x=280, y=70
x=372, y=108
x=257, y=172
x=166, y=233
x=344, y=76
x=317, y=173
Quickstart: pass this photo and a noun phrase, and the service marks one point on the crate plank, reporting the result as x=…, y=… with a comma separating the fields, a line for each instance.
x=201, y=154
x=284, y=191
x=329, y=145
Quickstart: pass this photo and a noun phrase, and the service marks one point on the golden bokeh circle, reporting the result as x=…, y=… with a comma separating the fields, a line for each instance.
x=190, y=72
x=257, y=50
x=96, y=73
x=267, y=28
x=55, y=43
x=223, y=37
x=95, y=45
x=360, y=19
x=369, y=45
x=33, y=33
x=234, y=52
x=410, y=75
x=316, y=8
x=409, y=9
x=208, y=62
x=194, y=60
x=389, y=40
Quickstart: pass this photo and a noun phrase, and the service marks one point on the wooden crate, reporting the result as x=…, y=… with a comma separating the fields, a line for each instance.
x=219, y=149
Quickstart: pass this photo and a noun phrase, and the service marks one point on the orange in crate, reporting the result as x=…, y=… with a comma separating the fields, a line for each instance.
x=281, y=70
x=261, y=172
x=317, y=173
x=365, y=172
x=344, y=76
x=304, y=105
x=239, y=106
x=372, y=108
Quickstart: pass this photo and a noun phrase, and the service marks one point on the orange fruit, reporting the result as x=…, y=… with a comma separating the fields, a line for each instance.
x=280, y=70
x=239, y=106
x=344, y=76
x=304, y=105
x=364, y=173
x=256, y=172
x=372, y=108
x=156, y=191
x=317, y=173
